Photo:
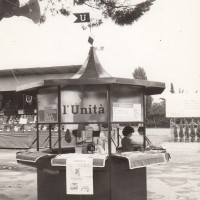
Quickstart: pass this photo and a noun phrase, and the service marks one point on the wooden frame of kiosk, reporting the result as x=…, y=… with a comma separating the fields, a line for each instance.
x=87, y=113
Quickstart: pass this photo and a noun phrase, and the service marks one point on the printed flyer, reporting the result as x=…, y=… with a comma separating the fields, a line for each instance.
x=79, y=175
x=127, y=112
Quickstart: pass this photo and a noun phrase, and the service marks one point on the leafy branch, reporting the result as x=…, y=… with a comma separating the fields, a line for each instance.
x=121, y=12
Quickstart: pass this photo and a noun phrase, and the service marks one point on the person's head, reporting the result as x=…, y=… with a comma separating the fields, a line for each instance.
x=141, y=130
x=128, y=130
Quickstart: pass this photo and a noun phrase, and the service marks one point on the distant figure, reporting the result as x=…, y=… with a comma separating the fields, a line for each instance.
x=10, y=8
x=175, y=132
x=141, y=130
x=128, y=144
x=148, y=144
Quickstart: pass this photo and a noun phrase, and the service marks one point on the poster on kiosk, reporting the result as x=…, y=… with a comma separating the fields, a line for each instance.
x=48, y=105
x=79, y=175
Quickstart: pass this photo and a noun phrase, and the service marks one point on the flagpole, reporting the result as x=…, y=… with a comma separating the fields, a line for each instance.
x=90, y=25
x=90, y=28
x=82, y=18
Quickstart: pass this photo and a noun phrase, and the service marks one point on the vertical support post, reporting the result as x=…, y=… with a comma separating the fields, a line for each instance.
x=109, y=137
x=109, y=120
x=59, y=119
x=144, y=119
x=50, y=136
x=37, y=126
x=37, y=132
x=92, y=142
x=117, y=137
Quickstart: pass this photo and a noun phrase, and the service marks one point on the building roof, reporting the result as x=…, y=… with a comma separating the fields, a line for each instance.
x=92, y=68
x=11, y=79
x=92, y=73
x=39, y=70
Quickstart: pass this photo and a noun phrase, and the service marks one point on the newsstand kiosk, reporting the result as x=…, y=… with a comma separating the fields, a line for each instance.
x=89, y=111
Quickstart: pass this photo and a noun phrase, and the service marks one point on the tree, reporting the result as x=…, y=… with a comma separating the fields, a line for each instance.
x=157, y=116
x=10, y=8
x=172, y=88
x=139, y=73
x=120, y=11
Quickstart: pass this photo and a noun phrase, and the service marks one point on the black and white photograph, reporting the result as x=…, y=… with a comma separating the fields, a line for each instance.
x=99, y=100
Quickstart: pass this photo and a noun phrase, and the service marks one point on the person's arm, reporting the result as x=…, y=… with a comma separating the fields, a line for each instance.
x=136, y=143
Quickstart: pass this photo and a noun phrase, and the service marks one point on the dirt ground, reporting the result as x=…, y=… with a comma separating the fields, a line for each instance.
x=179, y=179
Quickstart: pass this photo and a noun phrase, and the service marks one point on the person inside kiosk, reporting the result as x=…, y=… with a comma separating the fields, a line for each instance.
x=128, y=143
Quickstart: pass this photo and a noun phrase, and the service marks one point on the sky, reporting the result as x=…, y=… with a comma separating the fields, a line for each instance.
x=164, y=41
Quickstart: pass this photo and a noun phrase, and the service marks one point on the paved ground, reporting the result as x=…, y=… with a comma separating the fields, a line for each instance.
x=177, y=180
x=17, y=182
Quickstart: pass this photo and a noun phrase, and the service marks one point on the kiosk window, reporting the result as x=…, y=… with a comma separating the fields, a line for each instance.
x=127, y=105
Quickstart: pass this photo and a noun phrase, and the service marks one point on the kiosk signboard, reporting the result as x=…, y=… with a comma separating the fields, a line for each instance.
x=85, y=104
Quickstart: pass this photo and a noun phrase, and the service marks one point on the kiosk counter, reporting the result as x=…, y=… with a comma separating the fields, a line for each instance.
x=120, y=176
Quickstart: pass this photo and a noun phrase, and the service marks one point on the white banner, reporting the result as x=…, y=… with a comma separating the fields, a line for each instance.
x=183, y=105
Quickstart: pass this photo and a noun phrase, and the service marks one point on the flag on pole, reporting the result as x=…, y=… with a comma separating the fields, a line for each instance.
x=82, y=17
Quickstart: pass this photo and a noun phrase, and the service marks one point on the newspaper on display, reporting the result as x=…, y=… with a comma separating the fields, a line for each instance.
x=79, y=175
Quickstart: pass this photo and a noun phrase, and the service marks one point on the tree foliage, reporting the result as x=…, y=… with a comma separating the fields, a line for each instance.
x=172, y=88
x=155, y=112
x=139, y=73
x=158, y=109
x=120, y=11
x=157, y=116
